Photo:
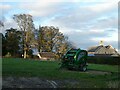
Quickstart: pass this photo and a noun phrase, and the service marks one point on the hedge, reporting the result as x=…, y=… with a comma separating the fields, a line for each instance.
x=104, y=60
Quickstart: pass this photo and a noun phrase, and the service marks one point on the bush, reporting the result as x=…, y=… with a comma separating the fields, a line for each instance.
x=104, y=60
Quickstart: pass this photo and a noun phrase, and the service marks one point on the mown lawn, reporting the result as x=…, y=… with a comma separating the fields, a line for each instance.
x=100, y=67
x=50, y=70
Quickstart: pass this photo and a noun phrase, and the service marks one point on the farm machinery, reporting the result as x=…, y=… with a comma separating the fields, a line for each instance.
x=75, y=59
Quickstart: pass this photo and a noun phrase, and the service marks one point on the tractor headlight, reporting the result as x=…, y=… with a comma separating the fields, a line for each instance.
x=74, y=56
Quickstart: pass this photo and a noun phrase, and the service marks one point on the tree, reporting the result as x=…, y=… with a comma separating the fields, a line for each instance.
x=26, y=25
x=50, y=39
x=47, y=38
x=63, y=46
x=1, y=38
x=3, y=44
x=12, y=41
x=39, y=39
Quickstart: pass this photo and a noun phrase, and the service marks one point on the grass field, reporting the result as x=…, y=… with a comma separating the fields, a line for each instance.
x=17, y=67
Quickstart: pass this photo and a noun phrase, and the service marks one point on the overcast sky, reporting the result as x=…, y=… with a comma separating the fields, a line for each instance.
x=85, y=22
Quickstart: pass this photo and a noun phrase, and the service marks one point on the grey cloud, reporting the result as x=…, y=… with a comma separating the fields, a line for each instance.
x=43, y=9
x=111, y=22
x=67, y=14
x=83, y=17
x=112, y=30
x=83, y=39
x=70, y=18
x=9, y=23
x=113, y=43
x=4, y=9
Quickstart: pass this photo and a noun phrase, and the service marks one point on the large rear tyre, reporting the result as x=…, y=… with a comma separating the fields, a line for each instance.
x=83, y=66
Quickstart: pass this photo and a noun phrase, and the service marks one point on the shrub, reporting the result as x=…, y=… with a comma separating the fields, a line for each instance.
x=104, y=60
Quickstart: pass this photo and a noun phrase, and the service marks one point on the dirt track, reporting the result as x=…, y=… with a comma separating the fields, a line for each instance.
x=23, y=82
x=97, y=72
x=35, y=82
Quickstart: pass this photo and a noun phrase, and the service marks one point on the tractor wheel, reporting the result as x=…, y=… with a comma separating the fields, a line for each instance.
x=84, y=68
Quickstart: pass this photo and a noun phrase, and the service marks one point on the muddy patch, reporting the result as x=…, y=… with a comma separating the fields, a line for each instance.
x=98, y=72
x=23, y=82
x=36, y=82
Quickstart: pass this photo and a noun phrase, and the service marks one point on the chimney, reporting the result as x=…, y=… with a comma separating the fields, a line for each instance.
x=101, y=43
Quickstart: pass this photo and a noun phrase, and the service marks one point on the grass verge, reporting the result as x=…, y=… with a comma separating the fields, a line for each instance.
x=17, y=67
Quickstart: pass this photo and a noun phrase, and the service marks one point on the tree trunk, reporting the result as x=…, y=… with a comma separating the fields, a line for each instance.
x=25, y=46
x=25, y=54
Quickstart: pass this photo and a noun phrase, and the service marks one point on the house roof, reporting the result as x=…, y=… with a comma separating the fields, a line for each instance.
x=94, y=48
x=47, y=54
x=103, y=50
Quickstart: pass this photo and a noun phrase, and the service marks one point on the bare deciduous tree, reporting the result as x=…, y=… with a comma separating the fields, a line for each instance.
x=26, y=25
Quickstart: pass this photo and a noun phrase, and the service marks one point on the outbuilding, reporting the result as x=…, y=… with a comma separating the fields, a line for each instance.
x=46, y=56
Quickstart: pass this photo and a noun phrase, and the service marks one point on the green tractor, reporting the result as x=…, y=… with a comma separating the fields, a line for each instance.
x=75, y=59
